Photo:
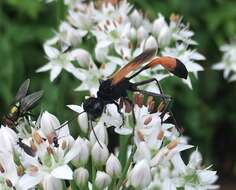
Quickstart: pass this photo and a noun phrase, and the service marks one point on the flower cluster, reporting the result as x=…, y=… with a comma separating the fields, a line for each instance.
x=97, y=39
x=228, y=62
x=148, y=156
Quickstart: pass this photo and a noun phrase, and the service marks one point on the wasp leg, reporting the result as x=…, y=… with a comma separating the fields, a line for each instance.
x=167, y=99
x=119, y=111
x=90, y=122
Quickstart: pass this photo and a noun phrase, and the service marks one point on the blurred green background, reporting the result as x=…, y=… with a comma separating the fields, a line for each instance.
x=207, y=112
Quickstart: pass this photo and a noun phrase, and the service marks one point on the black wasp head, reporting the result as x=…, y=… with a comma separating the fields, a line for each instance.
x=93, y=107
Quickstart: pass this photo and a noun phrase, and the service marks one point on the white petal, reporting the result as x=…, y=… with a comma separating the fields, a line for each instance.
x=28, y=181
x=44, y=68
x=56, y=70
x=62, y=172
x=75, y=108
x=52, y=183
x=51, y=52
x=123, y=130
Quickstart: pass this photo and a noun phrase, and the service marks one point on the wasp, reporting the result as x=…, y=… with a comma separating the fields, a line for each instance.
x=119, y=84
x=21, y=105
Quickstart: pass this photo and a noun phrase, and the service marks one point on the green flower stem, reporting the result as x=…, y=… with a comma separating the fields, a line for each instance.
x=124, y=173
x=124, y=140
x=94, y=171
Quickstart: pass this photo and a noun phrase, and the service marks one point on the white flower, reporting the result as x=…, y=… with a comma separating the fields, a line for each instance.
x=48, y=123
x=99, y=154
x=82, y=158
x=158, y=24
x=195, y=159
x=102, y=180
x=140, y=175
x=113, y=166
x=151, y=43
x=81, y=176
x=101, y=133
x=8, y=139
x=57, y=62
x=228, y=61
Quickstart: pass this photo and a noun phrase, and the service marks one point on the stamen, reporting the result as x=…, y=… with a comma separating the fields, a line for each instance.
x=149, y=100
x=172, y=144
x=33, y=147
x=140, y=100
x=151, y=106
x=160, y=135
x=64, y=145
x=50, y=150
x=20, y=170
x=37, y=138
x=2, y=170
x=148, y=120
x=9, y=183
x=140, y=135
x=128, y=107
x=51, y=137
x=161, y=106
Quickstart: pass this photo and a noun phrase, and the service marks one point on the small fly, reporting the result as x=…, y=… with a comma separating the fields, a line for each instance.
x=22, y=104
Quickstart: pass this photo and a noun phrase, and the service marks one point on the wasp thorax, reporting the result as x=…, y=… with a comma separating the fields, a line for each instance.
x=93, y=107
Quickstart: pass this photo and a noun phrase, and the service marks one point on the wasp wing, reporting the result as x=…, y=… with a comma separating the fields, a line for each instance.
x=29, y=101
x=133, y=65
x=22, y=91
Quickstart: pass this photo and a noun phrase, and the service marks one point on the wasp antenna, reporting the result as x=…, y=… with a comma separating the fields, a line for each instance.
x=70, y=120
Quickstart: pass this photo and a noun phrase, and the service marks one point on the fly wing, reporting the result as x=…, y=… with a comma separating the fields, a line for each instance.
x=29, y=101
x=133, y=65
x=22, y=91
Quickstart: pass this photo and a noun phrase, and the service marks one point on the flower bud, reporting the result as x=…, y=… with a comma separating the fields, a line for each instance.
x=158, y=24
x=48, y=123
x=82, y=56
x=99, y=154
x=83, y=122
x=151, y=43
x=102, y=180
x=113, y=166
x=132, y=34
x=195, y=160
x=141, y=34
x=101, y=53
x=140, y=175
x=164, y=36
x=82, y=158
x=136, y=18
x=81, y=176
x=101, y=133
